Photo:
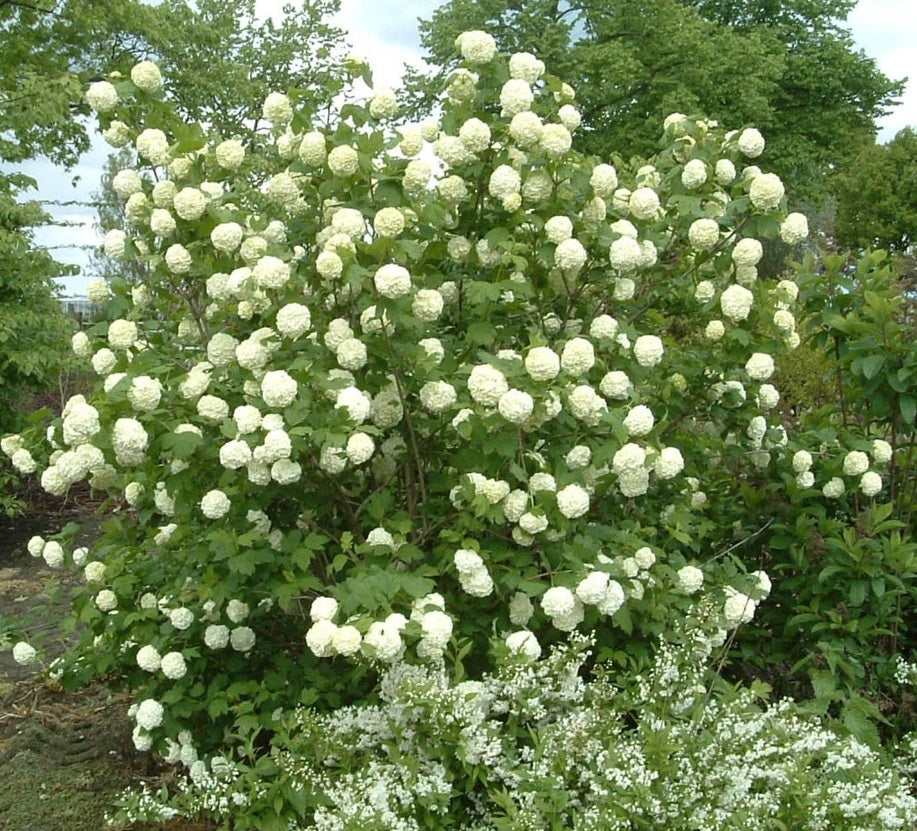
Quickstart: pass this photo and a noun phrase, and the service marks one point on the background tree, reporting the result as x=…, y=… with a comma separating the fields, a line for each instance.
x=877, y=196
x=789, y=68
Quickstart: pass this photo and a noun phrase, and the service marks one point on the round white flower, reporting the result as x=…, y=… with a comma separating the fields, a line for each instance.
x=648, y=350
x=383, y=104
x=122, y=334
x=542, y=363
x=639, y=421
x=293, y=320
x=523, y=644
x=227, y=236
x=694, y=174
x=644, y=203
x=216, y=636
x=604, y=180
x=586, y=405
x=242, y=639
x=392, y=281
x=751, y=143
x=625, y=254
x=855, y=463
x=102, y=96
x=360, y=448
x=802, y=461
x=714, y=330
x=766, y=191
x=794, y=229
x=388, y=222
x=572, y=501
x=760, y=366
x=189, y=203
x=725, y=172
x=358, y=404
x=555, y=140
x=343, y=161
x=437, y=396
x=881, y=452
x=870, y=483
x=834, y=488
x=417, y=175
x=150, y=714
x=486, y=385
x=476, y=46
x=736, y=302
x=738, y=609
x=630, y=457
x=173, y=666
x=213, y=408
x=148, y=658
x=525, y=129
x=427, y=305
x=516, y=406
x=669, y=463
x=277, y=109
x=106, y=600
x=516, y=96
x=570, y=256
x=616, y=385
x=278, y=389
x=144, y=393
x=178, y=259
x=504, y=182
x=351, y=354
x=704, y=234
x=690, y=579
x=129, y=441
x=558, y=601
x=612, y=598
x=526, y=66
x=215, y=504
x=578, y=357
x=436, y=627
x=230, y=154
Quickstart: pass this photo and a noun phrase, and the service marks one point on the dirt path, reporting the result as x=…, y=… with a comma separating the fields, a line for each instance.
x=64, y=757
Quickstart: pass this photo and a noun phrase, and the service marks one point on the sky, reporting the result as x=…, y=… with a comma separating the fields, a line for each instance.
x=386, y=35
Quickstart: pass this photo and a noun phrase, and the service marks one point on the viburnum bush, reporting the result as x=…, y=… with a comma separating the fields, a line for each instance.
x=415, y=401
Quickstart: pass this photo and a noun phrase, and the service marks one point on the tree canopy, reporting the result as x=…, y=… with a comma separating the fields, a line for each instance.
x=877, y=196
x=788, y=68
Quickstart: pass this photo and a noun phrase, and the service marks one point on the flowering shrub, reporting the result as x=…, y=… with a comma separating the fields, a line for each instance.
x=534, y=746
x=417, y=397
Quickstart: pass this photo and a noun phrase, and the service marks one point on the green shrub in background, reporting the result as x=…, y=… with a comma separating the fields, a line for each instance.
x=375, y=418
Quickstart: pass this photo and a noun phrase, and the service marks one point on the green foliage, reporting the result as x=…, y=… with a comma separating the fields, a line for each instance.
x=33, y=329
x=877, y=196
x=790, y=69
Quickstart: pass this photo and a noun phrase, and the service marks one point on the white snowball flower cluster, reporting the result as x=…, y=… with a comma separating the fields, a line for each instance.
x=473, y=575
x=573, y=501
x=856, y=462
x=760, y=366
x=625, y=254
x=516, y=96
x=476, y=46
x=639, y=421
x=704, y=234
x=738, y=609
x=736, y=302
x=648, y=350
x=570, y=256
x=129, y=440
x=343, y=161
x=644, y=203
x=392, y=281
x=794, y=229
x=278, y=388
x=690, y=579
x=694, y=174
x=437, y=396
x=384, y=103
x=870, y=483
x=102, y=97
x=526, y=128
x=215, y=504
x=486, y=384
x=277, y=109
x=751, y=143
x=542, y=363
x=516, y=406
x=578, y=357
x=563, y=607
x=766, y=191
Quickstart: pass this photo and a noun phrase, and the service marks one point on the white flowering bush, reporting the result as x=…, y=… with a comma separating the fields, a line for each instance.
x=384, y=414
x=534, y=746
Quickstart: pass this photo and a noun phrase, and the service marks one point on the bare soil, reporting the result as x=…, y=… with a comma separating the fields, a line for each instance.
x=64, y=757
